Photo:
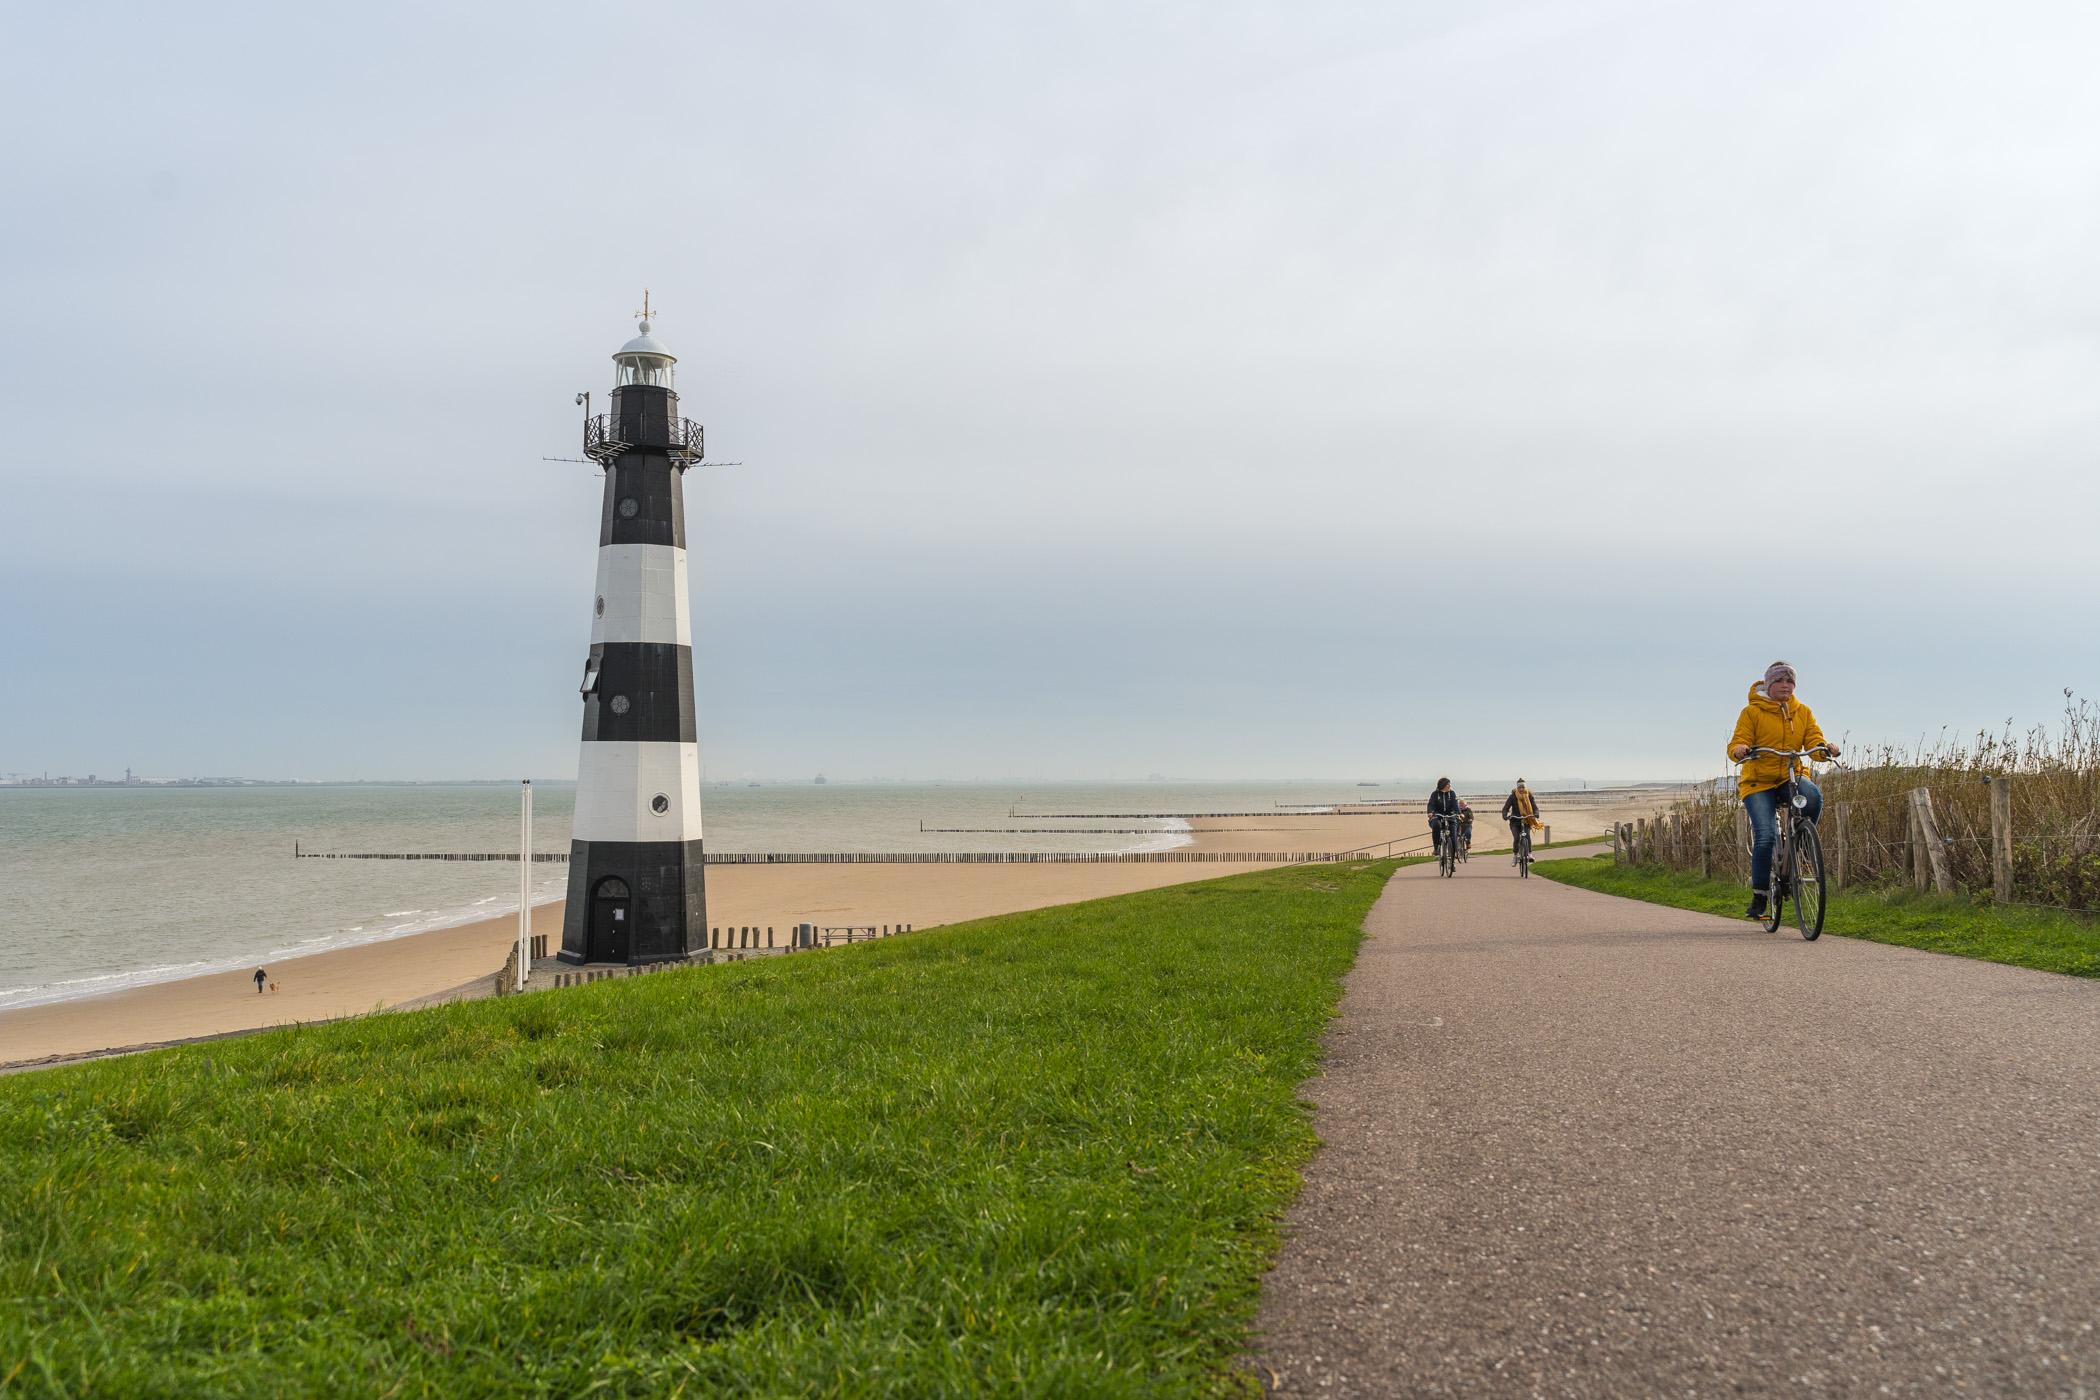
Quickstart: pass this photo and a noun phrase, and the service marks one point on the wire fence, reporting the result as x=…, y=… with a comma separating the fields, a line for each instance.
x=2029, y=839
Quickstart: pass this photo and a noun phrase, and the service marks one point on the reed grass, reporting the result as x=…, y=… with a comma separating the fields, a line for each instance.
x=2054, y=781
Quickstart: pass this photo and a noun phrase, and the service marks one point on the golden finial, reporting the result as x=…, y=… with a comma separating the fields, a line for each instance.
x=644, y=314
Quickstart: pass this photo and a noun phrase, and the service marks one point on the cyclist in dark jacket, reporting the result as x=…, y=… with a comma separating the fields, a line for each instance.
x=1520, y=809
x=1443, y=808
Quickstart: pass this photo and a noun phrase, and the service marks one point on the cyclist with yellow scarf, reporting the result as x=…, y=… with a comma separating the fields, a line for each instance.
x=1520, y=809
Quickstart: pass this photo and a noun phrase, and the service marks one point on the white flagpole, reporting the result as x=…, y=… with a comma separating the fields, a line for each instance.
x=524, y=881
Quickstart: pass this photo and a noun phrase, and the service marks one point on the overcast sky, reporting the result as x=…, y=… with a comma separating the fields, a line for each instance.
x=1208, y=389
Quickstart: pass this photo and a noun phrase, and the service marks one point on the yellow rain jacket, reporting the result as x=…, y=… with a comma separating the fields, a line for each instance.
x=1766, y=723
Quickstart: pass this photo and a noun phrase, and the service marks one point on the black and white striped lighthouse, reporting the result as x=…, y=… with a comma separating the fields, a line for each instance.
x=637, y=880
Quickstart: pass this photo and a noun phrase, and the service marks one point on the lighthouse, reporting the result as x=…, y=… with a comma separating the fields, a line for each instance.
x=637, y=877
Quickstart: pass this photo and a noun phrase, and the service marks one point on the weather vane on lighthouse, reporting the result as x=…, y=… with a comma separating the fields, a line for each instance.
x=637, y=868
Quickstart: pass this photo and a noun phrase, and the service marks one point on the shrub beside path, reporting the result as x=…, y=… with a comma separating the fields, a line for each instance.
x=1580, y=1145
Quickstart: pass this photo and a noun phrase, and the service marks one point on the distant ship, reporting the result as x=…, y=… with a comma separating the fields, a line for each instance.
x=820, y=781
x=1367, y=785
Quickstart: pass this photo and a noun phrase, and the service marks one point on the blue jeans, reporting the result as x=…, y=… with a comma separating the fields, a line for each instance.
x=1763, y=808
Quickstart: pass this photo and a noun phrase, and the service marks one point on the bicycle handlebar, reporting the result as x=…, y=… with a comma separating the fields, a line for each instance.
x=1809, y=752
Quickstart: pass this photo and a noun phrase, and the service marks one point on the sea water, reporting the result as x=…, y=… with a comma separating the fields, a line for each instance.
x=110, y=887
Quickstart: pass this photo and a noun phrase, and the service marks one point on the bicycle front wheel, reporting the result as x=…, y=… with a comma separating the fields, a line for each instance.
x=1524, y=855
x=1807, y=882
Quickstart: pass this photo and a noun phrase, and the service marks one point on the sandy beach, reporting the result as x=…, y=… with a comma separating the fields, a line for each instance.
x=376, y=976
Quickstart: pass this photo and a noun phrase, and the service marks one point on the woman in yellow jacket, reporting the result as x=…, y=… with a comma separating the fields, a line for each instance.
x=1773, y=719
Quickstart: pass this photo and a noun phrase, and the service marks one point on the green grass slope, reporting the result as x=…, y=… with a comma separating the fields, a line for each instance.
x=1036, y=1155
x=2048, y=940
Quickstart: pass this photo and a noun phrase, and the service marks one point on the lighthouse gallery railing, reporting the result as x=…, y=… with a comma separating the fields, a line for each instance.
x=603, y=445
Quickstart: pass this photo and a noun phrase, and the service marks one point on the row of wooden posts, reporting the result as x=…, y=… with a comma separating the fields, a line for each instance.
x=599, y=974
x=1670, y=839
x=802, y=935
x=733, y=944
x=1174, y=857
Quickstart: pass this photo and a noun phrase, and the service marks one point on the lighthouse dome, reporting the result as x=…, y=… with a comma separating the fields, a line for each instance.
x=646, y=344
x=645, y=360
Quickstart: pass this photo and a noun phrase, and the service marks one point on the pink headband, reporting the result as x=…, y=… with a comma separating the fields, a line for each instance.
x=1778, y=671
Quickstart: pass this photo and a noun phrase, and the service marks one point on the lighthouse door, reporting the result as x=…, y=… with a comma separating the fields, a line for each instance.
x=611, y=916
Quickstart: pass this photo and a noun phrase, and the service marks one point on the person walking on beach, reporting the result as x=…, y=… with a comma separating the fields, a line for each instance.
x=1443, y=815
x=1773, y=719
x=1520, y=809
x=260, y=977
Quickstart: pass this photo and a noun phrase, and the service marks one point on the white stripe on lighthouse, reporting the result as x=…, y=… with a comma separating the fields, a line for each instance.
x=618, y=780
x=645, y=594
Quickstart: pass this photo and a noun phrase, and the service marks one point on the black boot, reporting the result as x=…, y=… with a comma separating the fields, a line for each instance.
x=1757, y=905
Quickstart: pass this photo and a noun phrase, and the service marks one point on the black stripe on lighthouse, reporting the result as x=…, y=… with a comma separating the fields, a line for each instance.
x=643, y=693
x=644, y=502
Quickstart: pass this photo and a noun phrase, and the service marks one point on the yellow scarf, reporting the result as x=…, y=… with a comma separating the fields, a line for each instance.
x=1526, y=808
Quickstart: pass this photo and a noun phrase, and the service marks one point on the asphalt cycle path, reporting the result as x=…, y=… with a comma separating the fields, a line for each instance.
x=1577, y=1145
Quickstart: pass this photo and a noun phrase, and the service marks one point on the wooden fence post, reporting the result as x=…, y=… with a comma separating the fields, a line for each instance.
x=1935, y=857
x=1706, y=842
x=1643, y=843
x=1837, y=845
x=2001, y=840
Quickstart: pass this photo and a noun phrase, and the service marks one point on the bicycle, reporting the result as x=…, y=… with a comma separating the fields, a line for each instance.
x=1797, y=858
x=1447, y=845
x=1465, y=838
x=1520, y=846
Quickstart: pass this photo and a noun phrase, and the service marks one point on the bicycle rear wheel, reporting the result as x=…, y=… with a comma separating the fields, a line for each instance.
x=1807, y=882
x=1782, y=857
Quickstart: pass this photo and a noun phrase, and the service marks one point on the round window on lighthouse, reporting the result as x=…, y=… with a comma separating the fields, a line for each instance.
x=629, y=507
x=601, y=607
x=619, y=704
x=660, y=804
